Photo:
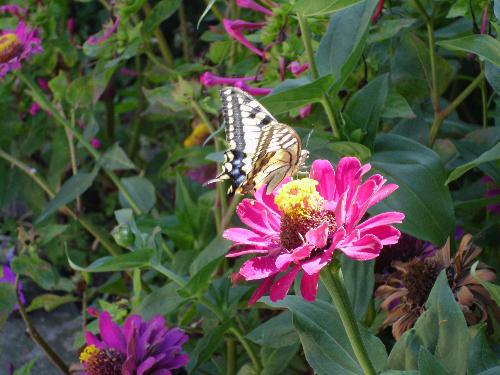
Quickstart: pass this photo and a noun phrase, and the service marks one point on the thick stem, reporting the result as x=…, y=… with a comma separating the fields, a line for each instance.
x=432, y=56
x=184, y=33
x=334, y=283
x=37, y=338
x=484, y=98
x=248, y=348
x=230, y=357
x=327, y=104
x=441, y=116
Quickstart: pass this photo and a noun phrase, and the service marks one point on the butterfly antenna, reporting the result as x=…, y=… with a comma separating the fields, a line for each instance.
x=309, y=137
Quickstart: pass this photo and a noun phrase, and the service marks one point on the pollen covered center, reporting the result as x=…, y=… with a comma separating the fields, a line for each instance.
x=10, y=47
x=101, y=361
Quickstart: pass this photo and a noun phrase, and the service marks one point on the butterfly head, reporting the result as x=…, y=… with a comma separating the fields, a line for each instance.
x=304, y=154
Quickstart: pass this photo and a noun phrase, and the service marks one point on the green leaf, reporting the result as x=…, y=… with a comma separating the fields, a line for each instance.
x=76, y=185
x=116, y=159
x=441, y=327
x=491, y=371
x=296, y=97
x=492, y=154
x=276, y=360
x=481, y=357
x=396, y=106
x=50, y=302
x=160, y=12
x=7, y=301
x=387, y=28
x=79, y=93
x=26, y=369
x=309, y=8
x=162, y=301
x=206, y=346
x=341, y=46
x=482, y=45
x=422, y=195
x=216, y=249
x=493, y=289
x=141, y=190
x=428, y=364
x=58, y=86
x=324, y=340
x=359, y=280
x=205, y=12
x=344, y=148
x=139, y=258
x=364, y=109
x=492, y=73
x=37, y=269
x=277, y=332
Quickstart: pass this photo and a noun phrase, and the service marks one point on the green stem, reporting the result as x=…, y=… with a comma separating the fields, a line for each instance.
x=136, y=122
x=37, y=338
x=72, y=155
x=162, y=42
x=47, y=104
x=441, y=116
x=422, y=10
x=432, y=56
x=248, y=348
x=327, y=104
x=484, y=100
x=230, y=357
x=184, y=33
x=229, y=212
x=110, y=117
x=334, y=283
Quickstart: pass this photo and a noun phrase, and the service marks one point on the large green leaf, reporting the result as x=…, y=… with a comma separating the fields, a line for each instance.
x=37, y=269
x=50, y=302
x=441, y=329
x=364, y=109
x=116, y=159
x=296, y=97
x=422, y=195
x=161, y=301
x=141, y=190
x=72, y=188
x=324, y=340
x=492, y=73
x=309, y=8
x=160, y=12
x=359, y=280
x=122, y=262
x=429, y=365
x=277, y=332
x=482, y=45
x=7, y=301
x=492, y=154
x=275, y=360
x=342, y=45
x=481, y=357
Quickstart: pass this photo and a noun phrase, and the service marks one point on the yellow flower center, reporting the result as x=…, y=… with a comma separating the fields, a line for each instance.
x=299, y=198
x=197, y=136
x=88, y=352
x=10, y=46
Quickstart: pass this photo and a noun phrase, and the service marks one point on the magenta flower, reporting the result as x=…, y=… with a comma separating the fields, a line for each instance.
x=297, y=68
x=34, y=109
x=106, y=34
x=43, y=84
x=13, y=9
x=255, y=91
x=250, y=4
x=484, y=20
x=234, y=28
x=70, y=27
x=96, y=143
x=305, y=111
x=209, y=80
x=299, y=226
x=378, y=11
x=17, y=45
x=137, y=348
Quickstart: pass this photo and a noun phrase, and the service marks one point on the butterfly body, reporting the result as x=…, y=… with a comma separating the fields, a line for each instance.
x=261, y=150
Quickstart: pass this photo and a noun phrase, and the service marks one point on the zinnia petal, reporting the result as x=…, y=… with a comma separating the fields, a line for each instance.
x=365, y=248
x=261, y=289
x=280, y=288
x=322, y=171
x=309, y=286
x=259, y=268
x=111, y=333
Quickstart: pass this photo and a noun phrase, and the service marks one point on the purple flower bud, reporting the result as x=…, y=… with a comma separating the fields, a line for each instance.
x=250, y=4
x=255, y=91
x=297, y=69
x=106, y=35
x=305, y=111
x=96, y=143
x=234, y=28
x=34, y=109
x=209, y=80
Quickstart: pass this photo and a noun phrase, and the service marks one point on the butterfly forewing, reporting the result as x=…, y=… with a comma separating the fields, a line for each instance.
x=261, y=150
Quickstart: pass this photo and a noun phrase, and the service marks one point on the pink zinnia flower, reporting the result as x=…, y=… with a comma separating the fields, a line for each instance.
x=298, y=227
x=234, y=28
x=106, y=34
x=17, y=45
x=297, y=68
x=139, y=347
x=255, y=91
x=250, y=4
x=13, y=9
x=209, y=80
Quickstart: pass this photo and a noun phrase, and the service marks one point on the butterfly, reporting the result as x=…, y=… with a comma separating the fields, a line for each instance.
x=261, y=150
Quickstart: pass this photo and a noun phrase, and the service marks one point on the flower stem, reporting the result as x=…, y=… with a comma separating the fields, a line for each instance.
x=327, y=104
x=484, y=99
x=72, y=155
x=37, y=338
x=184, y=32
x=230, y=357
x=334, y=283
x=41, y=98
x=162, y=42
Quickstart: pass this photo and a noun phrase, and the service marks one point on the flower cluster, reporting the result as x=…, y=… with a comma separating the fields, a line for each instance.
x=139, y=347
x=302, y=222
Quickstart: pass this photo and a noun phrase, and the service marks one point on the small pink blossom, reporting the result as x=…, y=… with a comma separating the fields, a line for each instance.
x=106, y=34
x=34, y=109
x=70, y=27
x=255, y=91
x=484, y=20
x=16, y=46
x=43, y=84
x=378, y=11
x=234, y=29
x=297, y=68
x=209, y=80
x=96, y=143
x=250, y=4
x=305, y=111
x=297, y=228
x=13, y=9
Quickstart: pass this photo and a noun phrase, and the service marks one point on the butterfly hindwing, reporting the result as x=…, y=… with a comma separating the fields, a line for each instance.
x=261, y=150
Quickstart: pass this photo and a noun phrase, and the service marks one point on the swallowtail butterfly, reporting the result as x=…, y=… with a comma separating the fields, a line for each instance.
x=261, y=150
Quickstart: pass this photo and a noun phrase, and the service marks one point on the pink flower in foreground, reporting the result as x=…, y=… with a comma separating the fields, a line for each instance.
x=13, y=9
x=17, y=45
x=255, y=91
x=209, y=80
x=234, y=28
x=139, y=347
x=106, y=34
x=298, y=227
x=296, y=68
x=250, y=4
